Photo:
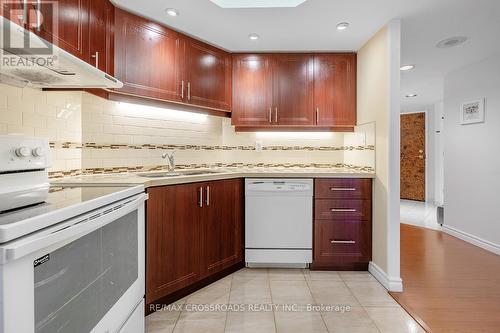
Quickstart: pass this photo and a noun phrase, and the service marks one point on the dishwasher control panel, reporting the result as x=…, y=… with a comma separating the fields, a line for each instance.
x=260, y=186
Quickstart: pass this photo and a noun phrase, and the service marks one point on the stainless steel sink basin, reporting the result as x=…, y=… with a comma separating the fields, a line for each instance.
x=198, y=172
x=177, y=173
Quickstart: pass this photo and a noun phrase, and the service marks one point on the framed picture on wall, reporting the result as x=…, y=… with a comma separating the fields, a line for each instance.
x=472, y=112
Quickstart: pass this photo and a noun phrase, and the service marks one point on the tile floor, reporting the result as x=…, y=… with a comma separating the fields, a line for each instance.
x=420, y=214
x=363, y=305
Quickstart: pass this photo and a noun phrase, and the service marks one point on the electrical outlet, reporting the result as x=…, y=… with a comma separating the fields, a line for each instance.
x=258, y=145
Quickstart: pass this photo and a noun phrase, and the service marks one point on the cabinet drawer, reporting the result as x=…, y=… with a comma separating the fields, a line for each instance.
x=340, y=188
x=340, y=242
x=335, y=209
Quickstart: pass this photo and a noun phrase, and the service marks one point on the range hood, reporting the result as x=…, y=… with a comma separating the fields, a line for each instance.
x=28, y=60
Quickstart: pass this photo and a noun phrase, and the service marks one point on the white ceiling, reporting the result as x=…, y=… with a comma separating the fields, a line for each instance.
x=311, y=27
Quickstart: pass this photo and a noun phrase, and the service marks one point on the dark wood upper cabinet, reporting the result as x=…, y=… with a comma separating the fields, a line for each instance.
x=293, y=89
x=289, y=91
x=64, y=23
x=155, y=62
x=252, y=89
x=335, y=89
x=207, y=75
x=13, y=11
x=147, y=58
x=101, y=35
x=172, y=239
x=222, y=227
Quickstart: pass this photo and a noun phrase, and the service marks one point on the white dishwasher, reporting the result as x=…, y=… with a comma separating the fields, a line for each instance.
x=278, y=222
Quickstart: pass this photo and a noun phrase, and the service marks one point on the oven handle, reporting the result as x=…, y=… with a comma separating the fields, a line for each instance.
x=70, y=230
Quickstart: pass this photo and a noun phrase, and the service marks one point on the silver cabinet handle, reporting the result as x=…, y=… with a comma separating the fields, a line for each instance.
x=182, y=89
x=317, y=116
x=189, y=91
x=342, y=242
x=343, y=210
x=96, y=57
x=200, y=202
x=270, y=114
x=276, y=114
x=342, y=189
x=208, y=196
x=38, y=16
x=25, y=13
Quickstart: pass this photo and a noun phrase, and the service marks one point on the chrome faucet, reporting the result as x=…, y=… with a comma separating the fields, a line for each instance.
x=171, y=161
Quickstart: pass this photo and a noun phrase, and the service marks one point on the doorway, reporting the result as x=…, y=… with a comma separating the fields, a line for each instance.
x=413, y=143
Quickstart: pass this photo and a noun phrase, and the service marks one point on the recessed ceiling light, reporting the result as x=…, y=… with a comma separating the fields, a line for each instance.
x=172, y=12
x=342, y=26
x=253, y=36
x=407, y=67
x=411, y=95
x=451, y=42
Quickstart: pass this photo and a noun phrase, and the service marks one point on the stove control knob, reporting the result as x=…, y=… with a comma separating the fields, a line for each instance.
x=38, y=152
x=23, y=152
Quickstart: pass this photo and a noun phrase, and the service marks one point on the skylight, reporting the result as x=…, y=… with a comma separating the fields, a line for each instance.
x=257, y=3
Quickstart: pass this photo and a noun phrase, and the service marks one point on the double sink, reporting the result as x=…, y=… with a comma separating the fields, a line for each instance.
x=177, y=173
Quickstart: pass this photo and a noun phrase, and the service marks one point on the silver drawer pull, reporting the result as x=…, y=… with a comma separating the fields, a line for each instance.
x=200, y=198
x=342, y=189
x=343, y=210
x=343, y=242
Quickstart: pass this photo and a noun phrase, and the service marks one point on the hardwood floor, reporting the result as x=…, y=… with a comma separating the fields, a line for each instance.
x=449, y=285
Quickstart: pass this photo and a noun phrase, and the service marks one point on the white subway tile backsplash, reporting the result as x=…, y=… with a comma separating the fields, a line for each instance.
x=19, y=129
x=119, y=131
x=20, y=105
x=11, y=117
x=34, y=120
x=3, y=101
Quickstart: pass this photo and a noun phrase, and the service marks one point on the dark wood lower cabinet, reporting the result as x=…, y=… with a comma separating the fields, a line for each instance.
x=342, y=224
x=172, y=239
x=222, y=234
x=193, y=232
x=342, y=244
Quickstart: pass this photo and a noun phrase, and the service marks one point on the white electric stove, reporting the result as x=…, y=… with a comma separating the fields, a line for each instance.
x=74, y=256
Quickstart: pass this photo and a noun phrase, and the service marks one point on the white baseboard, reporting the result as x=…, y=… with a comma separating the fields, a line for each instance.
x=389, y=283
x=474, y=240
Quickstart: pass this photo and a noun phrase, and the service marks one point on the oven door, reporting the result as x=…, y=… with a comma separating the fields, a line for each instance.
x=83, y=275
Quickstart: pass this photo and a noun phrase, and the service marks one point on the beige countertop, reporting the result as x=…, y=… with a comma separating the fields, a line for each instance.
x=127, y=179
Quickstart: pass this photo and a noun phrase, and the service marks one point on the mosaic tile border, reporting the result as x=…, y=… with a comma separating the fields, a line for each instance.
x=117, y=170
x=91, y=145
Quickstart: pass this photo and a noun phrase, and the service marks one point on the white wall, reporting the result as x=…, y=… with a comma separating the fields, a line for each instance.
x=378, y=99
x=438, y=153
x=472, y=156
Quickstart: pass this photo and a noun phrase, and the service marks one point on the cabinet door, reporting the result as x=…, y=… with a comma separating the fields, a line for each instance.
x=252, y=90
x=101, y=18
x=147, y=58
x=222, y=235
x=64, y=23
x=13, y=10
x=208, y=75
x=293, y=89
x=335, y=89
x=172, y=239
